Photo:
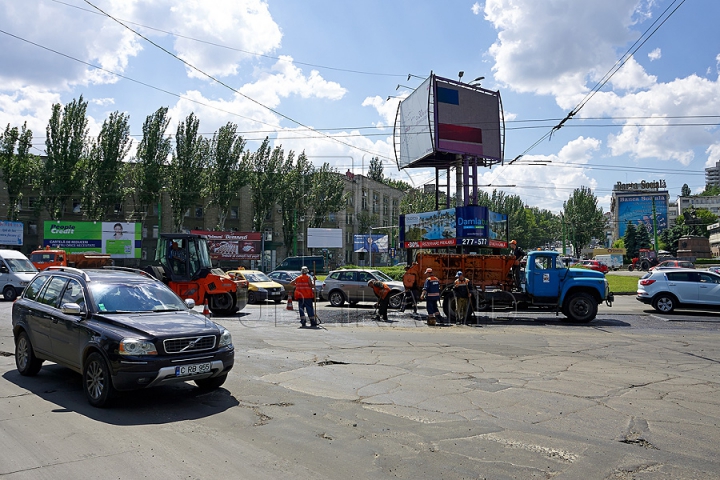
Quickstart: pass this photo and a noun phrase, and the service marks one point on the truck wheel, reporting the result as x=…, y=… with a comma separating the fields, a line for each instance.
x=9, y=293
x=221, y=304
x=336, y=298
x=630, y=268
x=645, y=266
x=581, y=307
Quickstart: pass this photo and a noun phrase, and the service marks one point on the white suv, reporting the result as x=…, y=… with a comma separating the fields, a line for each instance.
x=667, y=289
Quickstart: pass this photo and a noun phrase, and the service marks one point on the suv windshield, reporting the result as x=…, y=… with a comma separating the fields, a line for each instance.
x=148, y=297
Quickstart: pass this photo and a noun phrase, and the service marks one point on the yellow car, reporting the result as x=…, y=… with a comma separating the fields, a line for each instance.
x=260, y=287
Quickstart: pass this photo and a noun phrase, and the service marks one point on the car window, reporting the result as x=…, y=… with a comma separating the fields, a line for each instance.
x=74, y=294
x=708, y=278
x=543, y=263
x=52, y=292
x=32, y=290
x=364, y=277
x=381, y=276
x=346, y=276
x=679, y=276
x=335, y=275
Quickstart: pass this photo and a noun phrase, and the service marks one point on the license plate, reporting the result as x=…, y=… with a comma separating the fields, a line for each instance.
x=194, y=369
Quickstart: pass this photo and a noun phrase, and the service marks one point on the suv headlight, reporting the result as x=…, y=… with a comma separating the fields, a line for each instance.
x=225, y=339
x=134, y=346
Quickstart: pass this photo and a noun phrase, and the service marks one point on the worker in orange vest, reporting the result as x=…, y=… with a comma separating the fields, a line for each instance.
x=304, y=295
x=382, y=291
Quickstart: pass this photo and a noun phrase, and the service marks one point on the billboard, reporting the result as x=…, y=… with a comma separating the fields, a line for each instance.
x=233, y=245
x=118, y=239
x=324, y=238
x=638, y=210
x=443, y=118
x=11, y=233
x=466, y=226
x=468, y=120
x=375, y=243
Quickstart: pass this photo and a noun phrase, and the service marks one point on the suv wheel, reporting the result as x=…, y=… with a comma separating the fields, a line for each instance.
x=664, y=303
x=336, y=298
x=25, y=360
x=96, y=380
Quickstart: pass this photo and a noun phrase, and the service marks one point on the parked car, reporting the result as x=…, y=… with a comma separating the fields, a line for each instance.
x=714, y=269
x=121, y=329
x=351, y=286
x=260, y=286
x=284, y=277
x=667, y=289
x=594, y=265
x=673, y=264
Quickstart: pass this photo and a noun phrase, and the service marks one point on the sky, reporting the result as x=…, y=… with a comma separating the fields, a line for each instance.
x=325, y=77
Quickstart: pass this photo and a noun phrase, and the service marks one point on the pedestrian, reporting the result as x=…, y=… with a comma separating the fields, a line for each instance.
x=412, y=290
x=431, y=294
x=305, y=295
x=382, y=291
x=461, y=290
x=519, y=254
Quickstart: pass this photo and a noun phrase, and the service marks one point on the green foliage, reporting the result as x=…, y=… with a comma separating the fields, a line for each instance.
x=710, y=191
x=366, y=220
x=619, y=243
x=265, y=186
x=226, y=171
x=584, y=217
x=326, y=194
x=186, y=169
x=152, y=157
x=417, y=201
x=375, y=170
x=294, y=177
x=16, y=164
x=397, y=184
x=59, y=176
x=104, y=169
x=685, y=190
x=642, y=237
x=630, y=241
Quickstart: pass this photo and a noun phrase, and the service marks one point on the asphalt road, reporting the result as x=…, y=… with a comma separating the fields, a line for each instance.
x=631, y=395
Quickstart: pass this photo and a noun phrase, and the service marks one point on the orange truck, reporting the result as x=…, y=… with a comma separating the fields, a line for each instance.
x=60, y=258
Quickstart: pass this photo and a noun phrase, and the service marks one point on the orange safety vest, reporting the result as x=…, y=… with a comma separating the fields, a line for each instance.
x=303, y=287
x=382, y=291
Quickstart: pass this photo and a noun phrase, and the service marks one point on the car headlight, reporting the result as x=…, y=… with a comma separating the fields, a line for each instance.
x=282, y=289
x=134, y=346
x=225, y=339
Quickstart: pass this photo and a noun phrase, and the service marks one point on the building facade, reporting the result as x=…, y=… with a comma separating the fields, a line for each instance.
x=712, y=175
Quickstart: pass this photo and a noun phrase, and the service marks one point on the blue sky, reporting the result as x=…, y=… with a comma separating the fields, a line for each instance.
x=331, y=65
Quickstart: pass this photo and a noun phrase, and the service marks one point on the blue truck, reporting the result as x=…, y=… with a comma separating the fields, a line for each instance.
x=545, y=282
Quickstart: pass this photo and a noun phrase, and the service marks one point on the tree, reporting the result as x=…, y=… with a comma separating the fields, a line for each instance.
x=186, y=168
x=104, y=169
x=417, y=201
x=630, y=240
x=16, y=164
x=585, y=217
x=265, y=183
x=711, y=191
x=642, y=237
x=685, y=190
x=292, y=199
x=326, y=194
x=375, y=170
x=226, y=173
x=152, y=157
x=59, y=176
x=397, y=184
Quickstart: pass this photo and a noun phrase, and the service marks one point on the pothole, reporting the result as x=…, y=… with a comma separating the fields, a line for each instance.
x=331, y=362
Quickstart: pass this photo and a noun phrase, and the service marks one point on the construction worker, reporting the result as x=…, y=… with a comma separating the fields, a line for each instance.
x=461, y=290
x=382, y=291
x=411, y=294
x=431, y=294
x=519, y=254
x=304, y=295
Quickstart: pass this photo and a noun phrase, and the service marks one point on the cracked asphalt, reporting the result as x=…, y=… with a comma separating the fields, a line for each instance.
x=632, y=395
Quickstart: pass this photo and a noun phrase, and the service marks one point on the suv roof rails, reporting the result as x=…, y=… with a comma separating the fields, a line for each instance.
x=130, y=270
x=74, y=270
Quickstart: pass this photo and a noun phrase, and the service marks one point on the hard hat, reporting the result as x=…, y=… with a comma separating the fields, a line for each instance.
x=513, y=241
x=459, y=274
x=428, y=270
x=304, y=270
x=370, y=282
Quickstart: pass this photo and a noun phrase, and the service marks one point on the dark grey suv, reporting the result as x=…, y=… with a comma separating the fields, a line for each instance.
x=121, y=329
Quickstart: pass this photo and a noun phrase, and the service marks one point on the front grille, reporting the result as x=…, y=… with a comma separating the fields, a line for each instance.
x=189, y=344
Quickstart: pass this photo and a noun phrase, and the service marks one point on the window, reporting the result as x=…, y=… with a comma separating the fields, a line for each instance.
x=32, y=290
x=32, y=228
x=31, y=202
x=234, y=213
x=681, y=276
x=51, y=294
x=346, y=276
x=364, y=200
x=74, y=294
x=198, y=211
x=386, y=206
x=76, y=207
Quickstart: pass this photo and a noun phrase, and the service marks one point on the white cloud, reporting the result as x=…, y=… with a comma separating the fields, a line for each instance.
x=476, y=8
x=386, y=108
x=655, y=55
x=103, y=102
x=713, y=152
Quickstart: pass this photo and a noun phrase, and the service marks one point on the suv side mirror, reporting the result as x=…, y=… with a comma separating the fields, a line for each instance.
x=71, y=309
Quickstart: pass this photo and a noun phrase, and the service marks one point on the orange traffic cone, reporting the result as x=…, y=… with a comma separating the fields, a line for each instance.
x=206, y=310
x=289, y=304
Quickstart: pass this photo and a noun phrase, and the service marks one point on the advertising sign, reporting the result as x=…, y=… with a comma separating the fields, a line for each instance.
x=370, y=243
x=428, y=229
x=324, y=238
x=233, y=245
x=11, y=233
x=414, y=123
x=638, y=210
x=118, y=239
